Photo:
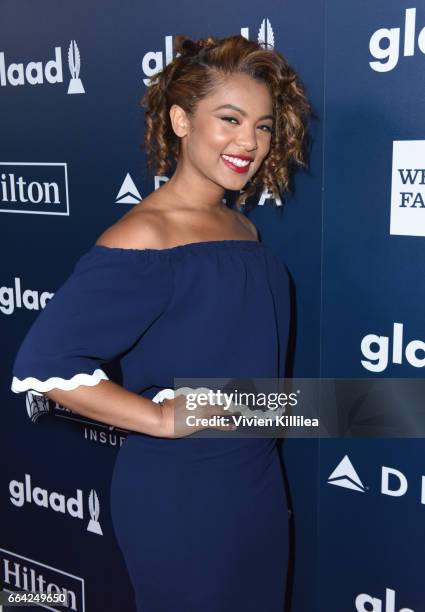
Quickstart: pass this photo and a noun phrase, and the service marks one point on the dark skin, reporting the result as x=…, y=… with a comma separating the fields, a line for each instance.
x=186, y=209
x=152, y=225
x=189, y=208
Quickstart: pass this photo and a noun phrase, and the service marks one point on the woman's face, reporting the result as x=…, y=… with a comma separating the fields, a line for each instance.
x=228, y=137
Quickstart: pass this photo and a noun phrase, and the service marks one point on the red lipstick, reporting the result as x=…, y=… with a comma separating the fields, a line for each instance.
x=234, y=167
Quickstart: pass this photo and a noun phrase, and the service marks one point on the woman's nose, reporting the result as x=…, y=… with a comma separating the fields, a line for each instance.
x=247, y=138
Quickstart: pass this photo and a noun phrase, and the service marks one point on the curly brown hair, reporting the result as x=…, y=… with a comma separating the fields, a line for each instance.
x=194, y=73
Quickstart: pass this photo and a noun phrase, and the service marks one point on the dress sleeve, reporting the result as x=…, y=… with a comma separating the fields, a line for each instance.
x=107, y=303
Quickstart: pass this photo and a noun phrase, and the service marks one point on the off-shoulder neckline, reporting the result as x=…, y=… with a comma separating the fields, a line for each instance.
x=244, y=244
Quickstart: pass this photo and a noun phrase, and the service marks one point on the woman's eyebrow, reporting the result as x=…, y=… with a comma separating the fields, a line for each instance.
x=242, y=112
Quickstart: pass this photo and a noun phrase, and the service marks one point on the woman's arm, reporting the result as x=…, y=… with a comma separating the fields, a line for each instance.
x=110, y=403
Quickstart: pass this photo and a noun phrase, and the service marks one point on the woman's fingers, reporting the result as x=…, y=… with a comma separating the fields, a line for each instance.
x=188, y=420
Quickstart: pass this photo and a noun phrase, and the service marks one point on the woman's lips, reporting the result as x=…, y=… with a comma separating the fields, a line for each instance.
x=238, y=169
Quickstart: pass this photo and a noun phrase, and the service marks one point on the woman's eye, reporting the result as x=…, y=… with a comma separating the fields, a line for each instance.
x=230, y=119
x=264, y=128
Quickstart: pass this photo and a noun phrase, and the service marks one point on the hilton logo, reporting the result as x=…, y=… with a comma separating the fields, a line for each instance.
x=19, y=573
x=34, y=188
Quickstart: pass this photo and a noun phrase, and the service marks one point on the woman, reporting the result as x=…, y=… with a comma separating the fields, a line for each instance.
x=181, y=287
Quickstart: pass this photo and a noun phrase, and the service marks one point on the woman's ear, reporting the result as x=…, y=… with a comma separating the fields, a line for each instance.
x=179, y=120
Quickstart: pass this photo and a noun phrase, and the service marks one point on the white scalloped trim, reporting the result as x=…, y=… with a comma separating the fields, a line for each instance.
x=34, y=385
x=163, y=394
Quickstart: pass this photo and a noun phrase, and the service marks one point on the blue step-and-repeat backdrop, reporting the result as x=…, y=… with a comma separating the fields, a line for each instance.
x=352, y=234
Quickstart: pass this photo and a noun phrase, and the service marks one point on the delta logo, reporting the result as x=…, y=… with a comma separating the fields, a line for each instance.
x=128, y=193
x=344, y=475
x=394, y=482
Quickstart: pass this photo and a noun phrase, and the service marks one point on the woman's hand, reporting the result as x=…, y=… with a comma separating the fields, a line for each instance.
x=178, y=421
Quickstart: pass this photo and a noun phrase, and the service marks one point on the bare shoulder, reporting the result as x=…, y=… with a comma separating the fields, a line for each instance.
x=140, y=229
x=247, y=223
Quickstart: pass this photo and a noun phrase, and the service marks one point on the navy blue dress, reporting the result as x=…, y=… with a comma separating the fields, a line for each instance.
x=202, y=522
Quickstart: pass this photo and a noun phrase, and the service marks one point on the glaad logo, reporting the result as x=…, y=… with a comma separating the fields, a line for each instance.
x=408, y=188
x=379, y=605
x=21, y=492
x=128, y=193
x=388, y=55
x=94, y=509
x=153, y=61
x=34, y=188
x=34, y=73
x=377, y=360
x=14, y=297
x=344, y=475
x=74, y=63
x=265, y=34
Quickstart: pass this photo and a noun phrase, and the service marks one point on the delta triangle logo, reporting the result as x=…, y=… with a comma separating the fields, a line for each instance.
x=344, y=475
x=128, y=193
